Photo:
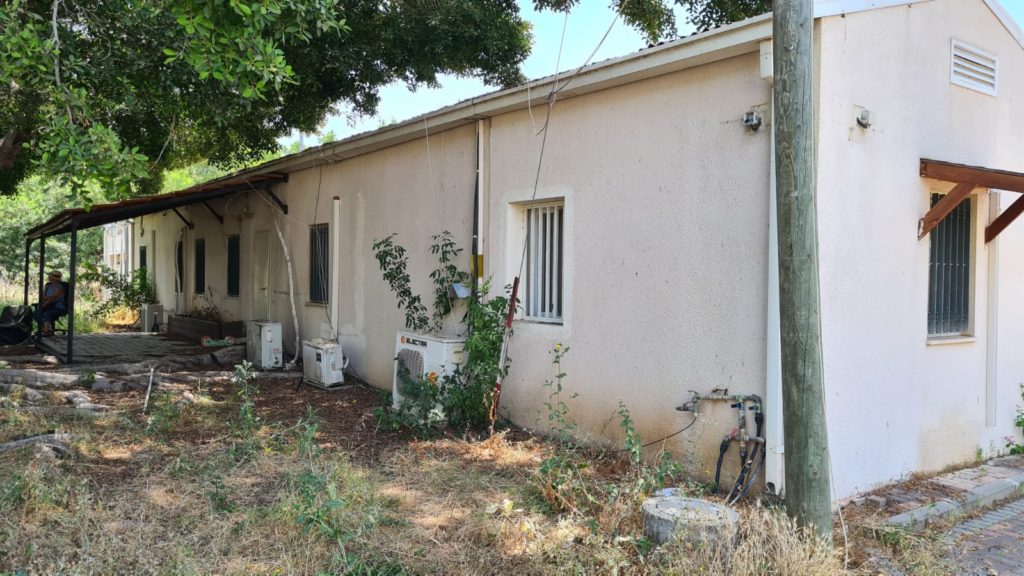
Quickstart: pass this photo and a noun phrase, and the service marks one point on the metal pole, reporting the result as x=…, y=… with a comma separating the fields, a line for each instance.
x=808, y=491
x=28, y=250
x=71, y=291
x=42, y=266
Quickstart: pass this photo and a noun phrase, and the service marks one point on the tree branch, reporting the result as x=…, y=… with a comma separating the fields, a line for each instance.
x=55, y=39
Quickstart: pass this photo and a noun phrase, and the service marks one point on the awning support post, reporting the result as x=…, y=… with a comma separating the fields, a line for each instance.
x=71, y=291
x=42, y=267
x=28, y=251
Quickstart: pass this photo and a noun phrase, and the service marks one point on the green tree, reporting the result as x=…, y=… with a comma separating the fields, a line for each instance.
x=707, y=14
x=35, y=201
x=114, y=92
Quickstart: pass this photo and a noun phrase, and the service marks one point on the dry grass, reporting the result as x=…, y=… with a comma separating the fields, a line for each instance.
x=180, y=492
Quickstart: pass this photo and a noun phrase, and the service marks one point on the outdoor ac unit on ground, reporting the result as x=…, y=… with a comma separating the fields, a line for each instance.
x=425, y=356
x=263, y=344
x=323, y=364
x=152, y=317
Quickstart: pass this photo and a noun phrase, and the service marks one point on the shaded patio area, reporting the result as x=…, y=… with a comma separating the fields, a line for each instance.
x=118, y=345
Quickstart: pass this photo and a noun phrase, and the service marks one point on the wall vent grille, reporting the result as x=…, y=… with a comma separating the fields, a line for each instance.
x=973, y=68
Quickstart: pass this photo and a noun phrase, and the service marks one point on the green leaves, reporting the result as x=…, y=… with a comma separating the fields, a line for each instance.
x=393, y=264
x=243, y=47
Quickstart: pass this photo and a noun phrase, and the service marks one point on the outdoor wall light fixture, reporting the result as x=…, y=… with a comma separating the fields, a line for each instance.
x=752, y=120
x=866, y=118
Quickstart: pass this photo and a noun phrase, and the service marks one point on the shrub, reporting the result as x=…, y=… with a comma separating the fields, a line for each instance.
x=463, y=399
x=122, y=291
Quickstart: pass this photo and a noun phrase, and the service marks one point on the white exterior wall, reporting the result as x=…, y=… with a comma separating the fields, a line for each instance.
x=117, y=246
x=895, y=403
x=666, y=235
x=666, y=217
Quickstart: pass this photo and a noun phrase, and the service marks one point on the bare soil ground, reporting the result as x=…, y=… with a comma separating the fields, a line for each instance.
x=307, y=483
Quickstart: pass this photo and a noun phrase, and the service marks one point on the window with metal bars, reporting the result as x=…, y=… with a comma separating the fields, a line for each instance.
x=234, y=265
x=199, y=262
x=319, y=265
x=179, y=269
x=949, y=272
x=545, y=225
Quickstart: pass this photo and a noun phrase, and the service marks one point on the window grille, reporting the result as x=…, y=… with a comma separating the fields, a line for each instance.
x=318, y=263
x=179, y=268
x=545, y=225
x=199, y=263
x=234, y=265
x=949, y=272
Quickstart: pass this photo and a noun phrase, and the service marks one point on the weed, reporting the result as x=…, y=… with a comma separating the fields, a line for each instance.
x=164, y=414
x=218, y=496
x=1012, y=445
x=560, y=425
x=88, y=378
x=246, y=427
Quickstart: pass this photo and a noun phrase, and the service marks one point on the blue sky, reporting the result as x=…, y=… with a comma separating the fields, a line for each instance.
x=584, y=28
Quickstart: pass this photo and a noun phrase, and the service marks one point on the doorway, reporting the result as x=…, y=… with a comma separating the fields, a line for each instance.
x=261, y=275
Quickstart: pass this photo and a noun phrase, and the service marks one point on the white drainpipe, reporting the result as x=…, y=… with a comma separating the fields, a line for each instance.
x=335, y=233
x=992, y=320
x=774, y=457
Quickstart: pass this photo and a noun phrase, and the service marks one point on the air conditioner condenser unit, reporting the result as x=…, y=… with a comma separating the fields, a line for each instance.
x=152, y=317
x=323, y=363
x=425, y=357
x=263, y=344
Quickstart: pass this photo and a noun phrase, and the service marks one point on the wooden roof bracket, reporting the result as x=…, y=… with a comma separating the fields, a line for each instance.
x=942, y=209
x=187, y=223
x=968, y=178
x=214, y=212
x=1004, y=220
x=270, y=193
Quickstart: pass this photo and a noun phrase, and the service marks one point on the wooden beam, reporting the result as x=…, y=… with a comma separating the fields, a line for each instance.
x=277, y=201
x=214, y=212
x=983, y=177
x=187, y=223
x=943, y=208
x=1004, y=220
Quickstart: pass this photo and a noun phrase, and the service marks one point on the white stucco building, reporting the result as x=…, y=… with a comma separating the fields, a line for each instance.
x=117, y=246
x=654, y=206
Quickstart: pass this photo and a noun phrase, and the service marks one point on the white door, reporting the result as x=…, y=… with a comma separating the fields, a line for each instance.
x=261, y=275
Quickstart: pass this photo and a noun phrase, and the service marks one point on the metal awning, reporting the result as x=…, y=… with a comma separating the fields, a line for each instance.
x=72, y=220
x=116, y=211
x=967, y=178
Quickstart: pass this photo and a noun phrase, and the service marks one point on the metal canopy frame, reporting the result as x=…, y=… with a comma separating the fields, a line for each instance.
x=967, y=178
x=72, y=220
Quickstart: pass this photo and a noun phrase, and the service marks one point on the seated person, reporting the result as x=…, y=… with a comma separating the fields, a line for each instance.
x=53, y=304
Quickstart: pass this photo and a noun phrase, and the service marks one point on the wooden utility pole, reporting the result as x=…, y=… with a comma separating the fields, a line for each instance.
x=808, y=494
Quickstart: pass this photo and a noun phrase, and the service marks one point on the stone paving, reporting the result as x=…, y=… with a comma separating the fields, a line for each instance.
x=96, y=347
x=916, y=504
x=993, y=543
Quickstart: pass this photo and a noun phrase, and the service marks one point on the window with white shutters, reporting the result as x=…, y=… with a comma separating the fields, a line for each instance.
x=545, y=226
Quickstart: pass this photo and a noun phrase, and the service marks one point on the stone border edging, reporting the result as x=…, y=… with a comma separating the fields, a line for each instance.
x=980, y=497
